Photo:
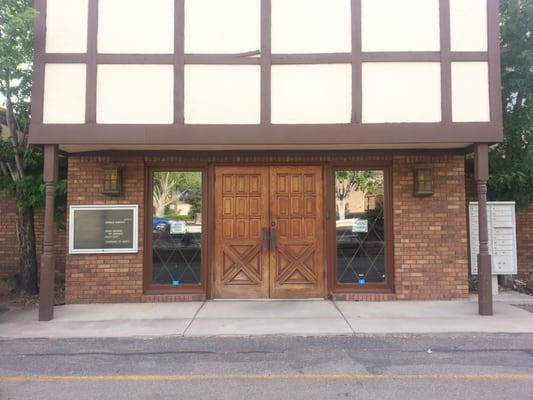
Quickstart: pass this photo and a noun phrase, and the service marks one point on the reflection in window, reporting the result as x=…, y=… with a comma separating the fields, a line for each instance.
x=176, y=228
x=360, y=227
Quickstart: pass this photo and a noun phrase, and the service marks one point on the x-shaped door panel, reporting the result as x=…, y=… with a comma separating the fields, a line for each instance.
x=269, y=232
x=297, y=261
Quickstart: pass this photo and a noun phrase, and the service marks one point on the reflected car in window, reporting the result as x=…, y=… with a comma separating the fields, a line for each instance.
x=168, y=225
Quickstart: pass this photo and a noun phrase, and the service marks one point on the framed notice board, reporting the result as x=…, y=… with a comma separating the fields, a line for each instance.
x=103, y=229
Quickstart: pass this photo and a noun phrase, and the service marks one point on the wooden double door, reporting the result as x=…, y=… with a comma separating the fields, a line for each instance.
x=269, y=232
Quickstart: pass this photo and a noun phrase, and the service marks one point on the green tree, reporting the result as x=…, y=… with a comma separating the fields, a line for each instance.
x=164, y=187
x=352, y=181
x=20, y=163
x=511, y=161
x=189, y=190
x=171, y=186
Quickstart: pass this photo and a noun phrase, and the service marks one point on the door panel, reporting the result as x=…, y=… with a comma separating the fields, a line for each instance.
x=296, y=253
x=269, y=232
x=241, y=249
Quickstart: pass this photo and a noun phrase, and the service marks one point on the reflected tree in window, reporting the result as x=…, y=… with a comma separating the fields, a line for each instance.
x=360, y=226
x=168, y=186
x=348, y=182
x=176, y=227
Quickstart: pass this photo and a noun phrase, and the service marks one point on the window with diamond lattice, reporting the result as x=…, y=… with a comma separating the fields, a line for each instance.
x=176, y=228
x=360, y=227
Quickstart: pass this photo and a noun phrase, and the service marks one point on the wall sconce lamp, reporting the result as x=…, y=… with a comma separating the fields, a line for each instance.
x=112, y=180
x=423, y=181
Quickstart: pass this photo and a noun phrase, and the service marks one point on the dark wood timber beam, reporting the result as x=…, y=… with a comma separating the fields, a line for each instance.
x=484, y=265
x=266, y=61
x=48, y=259
x=357, y=67
x=178, y=60
x=92, y=67
x=265, y=133
x=445, y=58
x=256, y=57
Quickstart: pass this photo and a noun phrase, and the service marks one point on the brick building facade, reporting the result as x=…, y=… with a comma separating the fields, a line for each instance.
x=8, y=238
x=430, y=256
x=430, y=251
x=269, y=125
x=114, y=277
x=524, y=237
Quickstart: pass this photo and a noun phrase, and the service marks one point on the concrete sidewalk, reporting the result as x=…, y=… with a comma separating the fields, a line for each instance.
x=248, y=318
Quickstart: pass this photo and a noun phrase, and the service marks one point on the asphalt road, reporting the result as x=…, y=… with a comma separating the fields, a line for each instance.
x=423, y=367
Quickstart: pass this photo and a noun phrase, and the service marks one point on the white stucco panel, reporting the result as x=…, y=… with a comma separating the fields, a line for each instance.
x=136, y=26
x=64, y=94
x=135, y=94
x=401, y=92
x=468, y=25
x=222, y=94
x=470, y=92
x=66, y=26
x=311, y=94
x=222, y=26
x=406, y=25
x=311, y=26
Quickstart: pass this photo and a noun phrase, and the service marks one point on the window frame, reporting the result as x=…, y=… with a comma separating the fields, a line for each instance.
x=334, y=286
x=148, y=287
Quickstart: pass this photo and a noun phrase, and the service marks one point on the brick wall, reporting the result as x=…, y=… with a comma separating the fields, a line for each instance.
x=106, y=277
x=9, y=248
x=430, y=242
x=430, y=253
x=524, y=237
x=8, y=238
x=470, y=181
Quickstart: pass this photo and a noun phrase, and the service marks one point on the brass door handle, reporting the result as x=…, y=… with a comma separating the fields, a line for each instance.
x=264, y=239
x=273, y=238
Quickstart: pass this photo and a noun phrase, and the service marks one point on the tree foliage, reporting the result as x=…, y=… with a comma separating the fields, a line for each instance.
x=171, y=186
x=350, y=181
x=164, y=184
x=189, y=190
x=511, y=161
x=366, y=181
x=20, y=163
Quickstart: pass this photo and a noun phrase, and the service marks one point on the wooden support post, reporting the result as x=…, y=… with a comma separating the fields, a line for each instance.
x=47, y=277
x=484, y=263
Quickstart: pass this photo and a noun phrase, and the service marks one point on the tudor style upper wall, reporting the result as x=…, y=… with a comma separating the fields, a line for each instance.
x=266, y=71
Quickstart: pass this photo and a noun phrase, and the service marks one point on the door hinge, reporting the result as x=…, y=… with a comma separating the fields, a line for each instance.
x=328, y=213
